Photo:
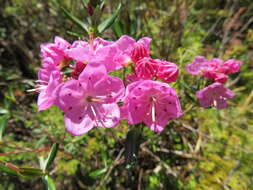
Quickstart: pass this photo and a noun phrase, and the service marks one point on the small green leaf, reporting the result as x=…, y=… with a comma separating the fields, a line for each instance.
x=75, y=20
x=109, y=21
x=97, y=173
x=51, y=155
x=3, y=122
x=74, y=34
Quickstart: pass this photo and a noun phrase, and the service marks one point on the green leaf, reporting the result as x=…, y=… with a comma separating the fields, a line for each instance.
x=3, y=122
x=109, y=21
x=49, y=183
x=97, y=173
x=31, y=172
x=51, y=156
x=117, y=29
x=74, y=34
x=76, y=20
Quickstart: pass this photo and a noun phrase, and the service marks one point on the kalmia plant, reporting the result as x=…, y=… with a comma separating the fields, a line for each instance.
x=216, y=71
x=90, y=97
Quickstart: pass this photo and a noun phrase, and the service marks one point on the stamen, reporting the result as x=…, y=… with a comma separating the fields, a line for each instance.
x=41, y=81
x=93, y=109
x=38, y=88
x=95, y=115
x=215, y=103
x=32, y=90
x=153, y=112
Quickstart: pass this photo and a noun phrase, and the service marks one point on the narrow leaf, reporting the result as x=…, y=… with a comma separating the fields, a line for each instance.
x=31, y=172
x=3, y=122
x=97, y=173
x=76, y=20
x=51, y=155
x=74, y=34
x=109, y=21
x=116, y=27
x=49, y=183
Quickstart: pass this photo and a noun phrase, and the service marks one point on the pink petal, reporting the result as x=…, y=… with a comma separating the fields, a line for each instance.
x=80, y=54
x=80, y=128
x=111, y=89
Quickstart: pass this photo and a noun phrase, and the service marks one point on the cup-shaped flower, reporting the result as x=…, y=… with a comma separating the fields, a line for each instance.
x=55, y=51
x=215, y=95
x=91, y=100
x=131, y=51
x=196, y=66
x=151, y=102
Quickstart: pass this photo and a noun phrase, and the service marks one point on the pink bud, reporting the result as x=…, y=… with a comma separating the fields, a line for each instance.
x=167, y=72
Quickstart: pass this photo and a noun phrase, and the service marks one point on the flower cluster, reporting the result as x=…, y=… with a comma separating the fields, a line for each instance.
x=75, y=77
x=215, y=70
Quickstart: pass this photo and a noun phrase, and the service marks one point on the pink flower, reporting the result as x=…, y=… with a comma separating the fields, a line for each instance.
x=49, y=78
x=151, y=102
x=167, y=71
x=231, y=66
x=105, y=52
x=213, y=69
x=196, y=66
x=140, y=49
x=55, y=51
x=215, y=95
x=132, y=51
x=91, y=100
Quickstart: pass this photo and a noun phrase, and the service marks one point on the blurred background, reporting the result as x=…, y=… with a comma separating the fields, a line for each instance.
x=206, y=149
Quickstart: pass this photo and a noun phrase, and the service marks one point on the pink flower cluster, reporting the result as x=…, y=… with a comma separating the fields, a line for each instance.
x=216, y=70
x=213, y=69
x=75, y=77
